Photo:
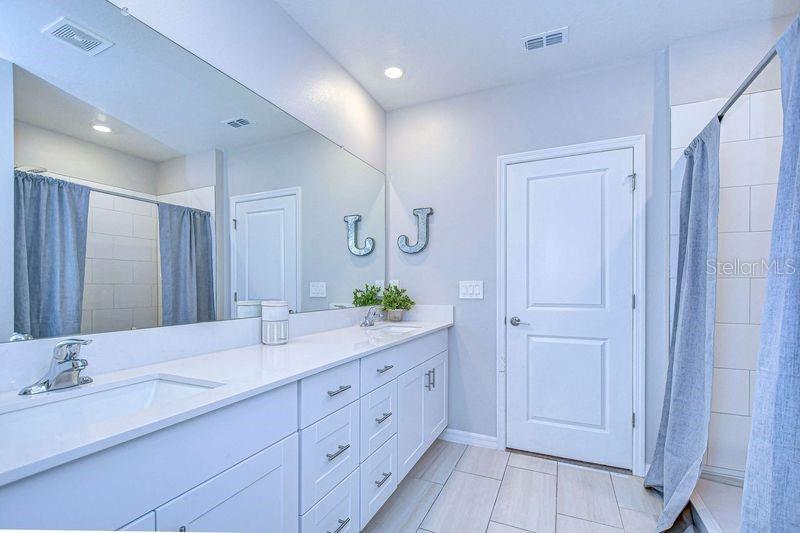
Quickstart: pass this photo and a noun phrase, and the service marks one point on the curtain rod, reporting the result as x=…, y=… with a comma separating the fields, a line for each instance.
x=748, y=81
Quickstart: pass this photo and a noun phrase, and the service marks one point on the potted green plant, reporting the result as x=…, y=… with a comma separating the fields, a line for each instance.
x=395, y=302
x=370, y=295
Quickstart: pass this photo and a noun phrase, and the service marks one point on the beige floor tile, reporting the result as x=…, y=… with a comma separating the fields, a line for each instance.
x=527, y=500
x=406, y=508
x=437, y=463
x=483, y=462
x=588, y=494
x=464, y=504
x=530, y=462
x=495, y=527
x=636, y=522
x=570, y=524
x=631, y=494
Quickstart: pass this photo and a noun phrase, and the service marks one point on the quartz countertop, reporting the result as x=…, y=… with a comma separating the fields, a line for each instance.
x=241, y=373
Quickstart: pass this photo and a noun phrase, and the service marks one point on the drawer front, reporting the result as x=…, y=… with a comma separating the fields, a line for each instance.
x=378, y=418
x=378, y=479
x=326, y=392
x=328, y=454
x=382, y=367
x=338, y=512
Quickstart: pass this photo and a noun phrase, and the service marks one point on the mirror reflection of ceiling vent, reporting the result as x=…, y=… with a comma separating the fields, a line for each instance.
x=84, y=40
x=237, y=122
x=548, y=38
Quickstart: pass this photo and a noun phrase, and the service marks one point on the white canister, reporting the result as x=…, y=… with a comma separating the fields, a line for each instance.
x=248, y=308
x=274, y=322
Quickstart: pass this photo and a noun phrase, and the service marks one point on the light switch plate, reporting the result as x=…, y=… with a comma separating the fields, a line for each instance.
x=317, y=289
x=470, y=290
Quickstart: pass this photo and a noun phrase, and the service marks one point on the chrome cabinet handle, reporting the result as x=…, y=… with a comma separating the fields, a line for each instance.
x=337, y=453
x=382, y=419
x=385, y=369
x=342, y=525
x=433, y=376
x=515, y=321
x=386, y=476
x=340, y=390
x=428, y=380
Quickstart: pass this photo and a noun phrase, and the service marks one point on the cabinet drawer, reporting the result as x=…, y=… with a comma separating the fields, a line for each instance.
x=336, y=512
x=326, y=392
x=328, y=454
x=382, y=367
x=234, y=500
x=378, y=479
x=378, y=418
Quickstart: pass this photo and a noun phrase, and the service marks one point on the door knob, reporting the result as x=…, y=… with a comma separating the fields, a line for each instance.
x=515, y=321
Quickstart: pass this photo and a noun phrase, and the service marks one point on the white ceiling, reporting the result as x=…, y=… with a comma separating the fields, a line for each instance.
x=452, y=47
x=159, y=97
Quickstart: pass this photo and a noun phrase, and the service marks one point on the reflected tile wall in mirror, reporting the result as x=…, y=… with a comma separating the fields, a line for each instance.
x=144, y=122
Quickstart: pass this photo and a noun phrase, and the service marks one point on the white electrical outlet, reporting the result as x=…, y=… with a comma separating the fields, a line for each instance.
x=317, y=289
x=395, y=282
x=379, y=283
x=470, y=290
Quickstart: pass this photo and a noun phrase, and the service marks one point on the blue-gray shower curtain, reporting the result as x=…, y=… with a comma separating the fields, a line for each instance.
x=187, y=279
x=50, y=230
x=771, y=500
x=683, y=433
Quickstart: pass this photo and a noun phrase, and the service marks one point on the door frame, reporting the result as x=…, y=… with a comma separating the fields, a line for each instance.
x=638, y=144
x=297, y=192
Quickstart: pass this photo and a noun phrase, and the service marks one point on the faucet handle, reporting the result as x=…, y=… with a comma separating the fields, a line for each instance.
x=69, y=349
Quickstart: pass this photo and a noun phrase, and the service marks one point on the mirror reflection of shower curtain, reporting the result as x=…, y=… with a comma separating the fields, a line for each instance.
x=186, y=251
x=50, y=231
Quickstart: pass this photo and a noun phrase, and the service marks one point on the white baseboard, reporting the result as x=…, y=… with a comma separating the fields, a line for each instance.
x=470, y=439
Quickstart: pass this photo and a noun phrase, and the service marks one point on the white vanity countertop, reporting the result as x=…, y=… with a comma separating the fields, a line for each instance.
x=243, y=373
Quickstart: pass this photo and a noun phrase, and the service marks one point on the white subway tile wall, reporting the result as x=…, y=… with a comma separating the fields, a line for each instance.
x=749, y=161
x=120, y=285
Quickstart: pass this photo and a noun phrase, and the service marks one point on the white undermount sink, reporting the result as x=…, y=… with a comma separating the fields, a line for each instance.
x=396, y=329
x=50, y=413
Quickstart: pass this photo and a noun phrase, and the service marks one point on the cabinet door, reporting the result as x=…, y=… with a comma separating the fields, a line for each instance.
x=411, y=418
x=259, y=495
x=435, y=398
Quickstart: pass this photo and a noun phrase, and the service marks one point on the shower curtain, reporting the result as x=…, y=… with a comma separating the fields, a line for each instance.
x=683, y=433
x=771, y=500
x=187, y=280
x=50, y=231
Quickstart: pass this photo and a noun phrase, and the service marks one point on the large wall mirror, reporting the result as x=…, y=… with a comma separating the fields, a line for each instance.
x=149, y=189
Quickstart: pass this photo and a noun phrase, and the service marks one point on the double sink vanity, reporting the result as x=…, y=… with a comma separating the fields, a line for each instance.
x=311, y=436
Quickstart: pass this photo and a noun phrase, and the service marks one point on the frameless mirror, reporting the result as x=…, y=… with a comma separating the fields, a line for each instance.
x=148, y=189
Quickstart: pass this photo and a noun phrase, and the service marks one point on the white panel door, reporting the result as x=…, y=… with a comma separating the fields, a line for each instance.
x=435, y=398
x=570, y=289
x=411, y=437
x=265, y=251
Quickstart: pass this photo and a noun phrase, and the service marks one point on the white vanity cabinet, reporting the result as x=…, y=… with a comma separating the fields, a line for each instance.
x=422, y=404
x=258, y=494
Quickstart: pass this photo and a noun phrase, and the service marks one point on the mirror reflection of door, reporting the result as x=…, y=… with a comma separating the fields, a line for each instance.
x=265, y=247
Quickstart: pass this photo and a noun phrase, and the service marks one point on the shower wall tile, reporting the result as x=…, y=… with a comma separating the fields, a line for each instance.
x=753, y=162
x=130, y=296
x=146, y=317
x=733, y=300
x=766, y=112
x=747, y=252
x=736, y=126
x=736, y=346
x=758, y=287
x=104, y=320
x=145, y=227
x=104, y=201
x=99, y=246
x=111, y=271
x=730, y=392
x=135, y=207
x=144, y=272
x=98, y=296
x=762, y=206
x=689, y=119
x=734, y=209
x=728, y=436
x=111, y=222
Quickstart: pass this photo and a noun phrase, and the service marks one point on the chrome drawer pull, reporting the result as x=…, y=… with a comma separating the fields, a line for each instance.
x=340, y=390
x=386, y=476
x=386, y=368
x=342, y=525
x=428, y=380
x=383, y=418
x=337, y=453
x=433, y=374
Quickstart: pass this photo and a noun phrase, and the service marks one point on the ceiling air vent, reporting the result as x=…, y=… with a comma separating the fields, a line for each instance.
x=237, y=122
x=543, y=40
x=84, y=40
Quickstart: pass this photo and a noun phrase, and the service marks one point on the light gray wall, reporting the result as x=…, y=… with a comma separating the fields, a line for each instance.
x=6, y=199
x=73, y=157
x=270, y=53
x=443, y=154
x=334, y=184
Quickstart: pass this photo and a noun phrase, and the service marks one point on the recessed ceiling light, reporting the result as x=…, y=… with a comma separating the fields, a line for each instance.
x=101, y=128
x=394, y=73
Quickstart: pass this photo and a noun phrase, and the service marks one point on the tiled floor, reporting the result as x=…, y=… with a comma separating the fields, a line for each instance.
x=461, y=489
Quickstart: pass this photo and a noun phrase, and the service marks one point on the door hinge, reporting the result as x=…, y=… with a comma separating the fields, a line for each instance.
x=633, y=181
x=633, y=419
x=236, y=296
x=633, y=301
x=235, y=224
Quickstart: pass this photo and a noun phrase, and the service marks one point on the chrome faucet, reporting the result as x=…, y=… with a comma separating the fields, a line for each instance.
x=372, y=315
x=65, y=369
